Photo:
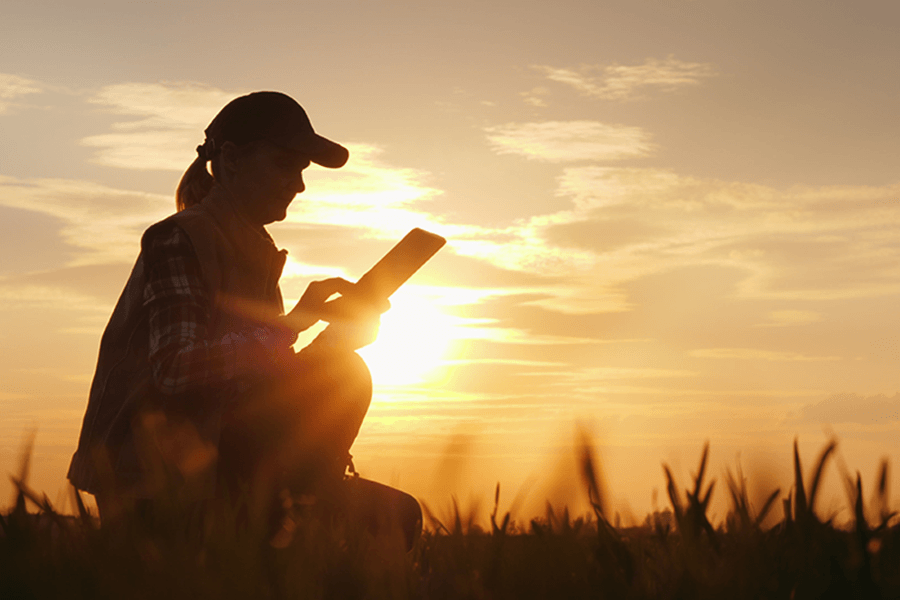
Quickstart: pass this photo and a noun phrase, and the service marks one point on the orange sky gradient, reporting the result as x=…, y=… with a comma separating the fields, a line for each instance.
x=666, y=222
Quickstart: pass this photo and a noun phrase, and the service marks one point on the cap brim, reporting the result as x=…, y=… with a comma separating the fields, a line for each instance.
x=323, y=151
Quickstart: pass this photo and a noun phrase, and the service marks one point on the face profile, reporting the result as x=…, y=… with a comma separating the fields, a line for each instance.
x=263, y=178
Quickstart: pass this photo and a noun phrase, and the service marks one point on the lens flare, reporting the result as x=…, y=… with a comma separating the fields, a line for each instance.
x=413, y=341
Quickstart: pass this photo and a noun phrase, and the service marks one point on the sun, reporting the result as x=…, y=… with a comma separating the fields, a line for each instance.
x=413, y=340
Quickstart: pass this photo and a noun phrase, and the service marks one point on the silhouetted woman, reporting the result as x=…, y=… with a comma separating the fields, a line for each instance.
x=197, y=390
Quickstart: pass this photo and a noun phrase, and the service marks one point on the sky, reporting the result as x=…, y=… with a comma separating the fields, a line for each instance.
x=668, y=223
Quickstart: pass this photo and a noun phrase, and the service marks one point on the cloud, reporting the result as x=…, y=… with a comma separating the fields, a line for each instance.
x=796, y=243
x=852, y=408
x=101, y=224
x=585, y=295
x=629, y=82
x=595, y=186
x=92, y=282
x=607, y=373
x=604, y=235
x=522, y=250
x=13, y=87
x=385, y=202
x=166, y=122
x=787, y=318
x=481, y=329
x=566, y=141
x=16, y=295
x=536, y=96
x=367, y=194
x=756, y=354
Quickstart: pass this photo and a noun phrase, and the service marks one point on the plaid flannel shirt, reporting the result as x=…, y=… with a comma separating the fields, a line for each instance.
x=182, y=357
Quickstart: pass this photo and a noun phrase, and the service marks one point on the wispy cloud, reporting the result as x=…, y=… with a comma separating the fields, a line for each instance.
x=800, y=243
x=165, y=123
x=757, y=354
x=788, y=318
x=566, y=141
x=508, y=335
x=102, y=223
x=793, y=244
x=595, y=186
x=606, y=373
x=367, y=193
x=630, y=82
x=853, y=408
x=13, y=87
x=521, y=249
x=536, y=96
x=16, y=295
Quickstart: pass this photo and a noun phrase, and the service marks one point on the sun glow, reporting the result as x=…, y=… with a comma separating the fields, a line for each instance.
x=413, y=340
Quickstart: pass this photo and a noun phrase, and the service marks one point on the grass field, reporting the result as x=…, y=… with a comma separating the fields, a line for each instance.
x=677, y=553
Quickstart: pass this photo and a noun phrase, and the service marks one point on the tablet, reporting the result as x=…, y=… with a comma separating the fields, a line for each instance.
x=389, y=273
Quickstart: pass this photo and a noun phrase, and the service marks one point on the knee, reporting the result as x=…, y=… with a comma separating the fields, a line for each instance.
x=357, y=372
x=345, y=375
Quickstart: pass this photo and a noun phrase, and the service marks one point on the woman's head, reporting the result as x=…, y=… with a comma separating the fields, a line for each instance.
x=261, y=134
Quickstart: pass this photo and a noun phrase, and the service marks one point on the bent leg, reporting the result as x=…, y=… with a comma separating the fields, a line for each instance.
x=302, y=424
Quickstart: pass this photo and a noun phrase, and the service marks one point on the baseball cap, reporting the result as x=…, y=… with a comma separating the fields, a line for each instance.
x=278, y=118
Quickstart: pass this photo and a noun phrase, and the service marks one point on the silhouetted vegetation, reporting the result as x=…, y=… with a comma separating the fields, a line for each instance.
x=678, y=553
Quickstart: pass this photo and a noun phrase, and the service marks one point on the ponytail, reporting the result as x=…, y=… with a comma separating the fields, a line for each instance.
x=195, y=184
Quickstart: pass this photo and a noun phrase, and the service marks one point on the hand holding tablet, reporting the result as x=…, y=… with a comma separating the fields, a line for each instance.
x=393, y=270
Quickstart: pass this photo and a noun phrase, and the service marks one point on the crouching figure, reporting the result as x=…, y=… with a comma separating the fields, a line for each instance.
x=197, y=382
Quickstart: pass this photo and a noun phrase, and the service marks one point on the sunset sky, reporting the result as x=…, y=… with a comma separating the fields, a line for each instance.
x=669, y=222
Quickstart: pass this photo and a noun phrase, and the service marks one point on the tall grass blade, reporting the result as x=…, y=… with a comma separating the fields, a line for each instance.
x=862, y=526
x=800, y=508
x=767, y=506
x=885, y=514
x=496, y=508
x=24, y=467
x=591, y=476
x=738, y=492
x=498, y=530
x=883, y=494
x=708, y=495
x=435, y=521
x=704, y=457
x=673, y=493
x=25, y=464
x=817, y=476
x=26, y=493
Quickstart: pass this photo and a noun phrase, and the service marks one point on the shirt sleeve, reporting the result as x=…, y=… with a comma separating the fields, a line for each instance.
x=183, y=357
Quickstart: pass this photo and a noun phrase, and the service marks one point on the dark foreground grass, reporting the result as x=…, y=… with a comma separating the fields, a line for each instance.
x=677, y=554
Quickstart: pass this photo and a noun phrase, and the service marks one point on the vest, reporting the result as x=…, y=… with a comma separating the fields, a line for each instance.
x=132, y=432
